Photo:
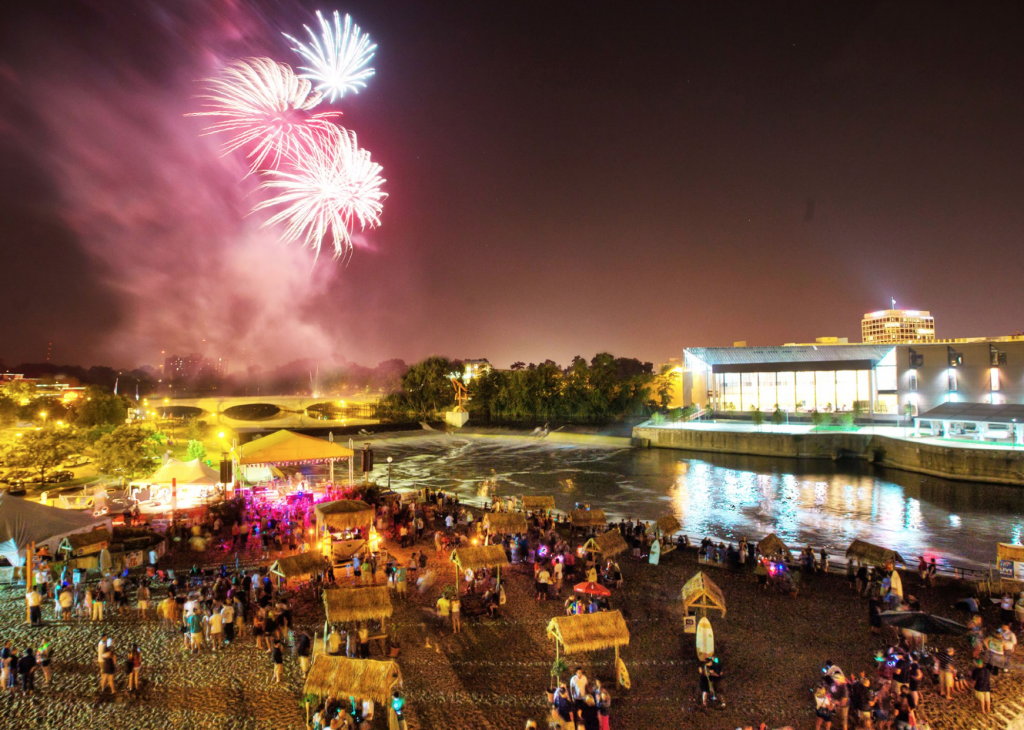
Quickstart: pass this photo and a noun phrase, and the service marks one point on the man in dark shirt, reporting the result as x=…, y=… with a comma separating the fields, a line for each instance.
x=302, y=648
x=27, y=668
x=982, y=686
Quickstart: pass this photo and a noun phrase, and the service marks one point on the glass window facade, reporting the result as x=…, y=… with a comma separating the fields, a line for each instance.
x=799, y=391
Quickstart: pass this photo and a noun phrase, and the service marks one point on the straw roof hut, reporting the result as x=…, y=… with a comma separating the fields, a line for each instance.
x=772, y=546
x=298, y=567
x=538, y=502
x=700, y=592
x=344, y=514
x=84, y=543
x=474, y=558
x=589, y=631
x=588, y=518
x=363, y=679
x=505, y=522
x=667, y=524
x=609, y=544
x=871, y=554
x=344, y=605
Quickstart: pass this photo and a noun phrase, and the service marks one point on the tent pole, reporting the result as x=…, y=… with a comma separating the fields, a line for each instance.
x=29, y=554
x=616, y=666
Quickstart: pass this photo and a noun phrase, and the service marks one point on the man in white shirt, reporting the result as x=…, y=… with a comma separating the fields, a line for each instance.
x=215, y=624
x=34, y=599
x=65, y=600
x=578, y=687
x=227, y=615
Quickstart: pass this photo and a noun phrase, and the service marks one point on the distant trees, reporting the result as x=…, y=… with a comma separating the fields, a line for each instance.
x=100, y=407
x=44, y=450
x=196, y=450
x=125, y=452
x=604, y=389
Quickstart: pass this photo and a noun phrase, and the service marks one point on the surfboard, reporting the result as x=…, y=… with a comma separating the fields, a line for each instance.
x=655, y=552
x=896, y=584
x=705, y=639
x=620, y=669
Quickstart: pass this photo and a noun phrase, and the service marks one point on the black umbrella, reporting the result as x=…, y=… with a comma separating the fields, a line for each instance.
x=921, y=622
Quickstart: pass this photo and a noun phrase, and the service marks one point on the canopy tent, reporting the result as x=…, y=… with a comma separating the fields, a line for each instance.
x=347, y=605
x=182, y=473
x=298, y=567
x=587, y=632
x=870, y=554
x=608, y=545
x=85, y=543
x=538, y=502
x=286, y=447
x=772, y=546
x=588, y=518
x=363, y=679
x=257, y=473
x=23, y=522
x=700, y=592
x=668, y=525
x=344, y=514
x=505, y=522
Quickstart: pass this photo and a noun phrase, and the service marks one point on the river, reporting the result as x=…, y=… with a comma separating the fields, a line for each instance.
x=806, y=502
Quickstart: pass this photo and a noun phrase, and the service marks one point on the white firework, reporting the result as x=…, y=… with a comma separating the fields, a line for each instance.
x=266, y=107
x=333, y=186
x=338, y=57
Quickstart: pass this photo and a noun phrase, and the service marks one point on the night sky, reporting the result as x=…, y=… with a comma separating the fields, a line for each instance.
x=564, y=178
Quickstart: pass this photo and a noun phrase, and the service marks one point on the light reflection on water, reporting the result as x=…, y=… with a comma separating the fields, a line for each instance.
x=805, y=502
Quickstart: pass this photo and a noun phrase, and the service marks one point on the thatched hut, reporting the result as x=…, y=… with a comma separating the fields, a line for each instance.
x=300, y=567
x=772, y=546
x=587, y=632
x=666, y=525
x=607, y=545
x=585, y=518
x=871, y=554
x=348, y=605
x=505, y=523
x=701, y=593
x=475, y=558
x=344, y=514
x=362, y=679
x=538, y=502
x=85, y=543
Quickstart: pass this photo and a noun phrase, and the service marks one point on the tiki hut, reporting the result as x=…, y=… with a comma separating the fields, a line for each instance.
x=300, y=567
x=362, y=679
x=870, y=554
x=505, y=522
x=475, y=558
x=667, y=525
x=344, y=514
x=701, y=593
x=587, y=632
x=773, y=547
x=348, y=605
x=588, y=518
x=85, y=543
x=538, y=503
x=608, y=545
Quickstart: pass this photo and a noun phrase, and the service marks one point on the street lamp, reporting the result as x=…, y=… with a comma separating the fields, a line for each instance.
x=389, y=472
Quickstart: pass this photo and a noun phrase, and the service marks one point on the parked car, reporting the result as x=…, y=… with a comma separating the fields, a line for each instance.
x=61, y=476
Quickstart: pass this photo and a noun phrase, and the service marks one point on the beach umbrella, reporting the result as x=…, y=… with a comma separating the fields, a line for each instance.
x=921, y=622
x=592, y=589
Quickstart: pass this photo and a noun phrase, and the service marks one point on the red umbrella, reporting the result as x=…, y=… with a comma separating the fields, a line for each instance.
x=592, y=589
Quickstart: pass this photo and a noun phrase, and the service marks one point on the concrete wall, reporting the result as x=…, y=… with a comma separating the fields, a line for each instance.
x=981, y=465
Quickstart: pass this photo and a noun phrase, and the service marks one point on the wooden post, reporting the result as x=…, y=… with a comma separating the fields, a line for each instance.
x=616, y=666
x=29, y=554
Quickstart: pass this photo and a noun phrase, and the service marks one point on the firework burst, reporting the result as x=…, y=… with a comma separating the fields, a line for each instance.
x=265, y=108
x=338, y=57
x=333, y=187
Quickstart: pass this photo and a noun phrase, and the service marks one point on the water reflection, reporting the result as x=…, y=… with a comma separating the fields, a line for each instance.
x=805, y=502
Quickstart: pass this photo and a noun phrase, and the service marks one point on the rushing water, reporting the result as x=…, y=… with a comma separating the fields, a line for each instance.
x=806, y=502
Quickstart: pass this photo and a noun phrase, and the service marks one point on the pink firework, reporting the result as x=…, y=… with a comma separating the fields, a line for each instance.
x=265, y=108
x=333, y=187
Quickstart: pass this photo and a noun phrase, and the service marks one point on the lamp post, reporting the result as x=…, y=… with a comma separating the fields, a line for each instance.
x=389, y=472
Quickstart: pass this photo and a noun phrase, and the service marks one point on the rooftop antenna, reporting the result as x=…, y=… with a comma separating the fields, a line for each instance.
x=894, y=302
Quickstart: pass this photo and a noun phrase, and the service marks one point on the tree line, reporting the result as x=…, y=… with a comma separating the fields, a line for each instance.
x=602, y=390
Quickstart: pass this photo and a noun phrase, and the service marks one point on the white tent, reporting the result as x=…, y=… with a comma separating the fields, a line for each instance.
x=185, y=472
x=22, y=522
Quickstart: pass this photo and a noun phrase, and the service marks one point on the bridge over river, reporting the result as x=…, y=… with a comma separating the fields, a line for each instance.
x=269, y=412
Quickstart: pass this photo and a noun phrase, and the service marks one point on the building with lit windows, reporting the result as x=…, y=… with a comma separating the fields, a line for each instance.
x=897, y=325
x=880, y=380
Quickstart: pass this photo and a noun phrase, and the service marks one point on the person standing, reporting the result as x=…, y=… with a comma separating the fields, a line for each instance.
x=142, y=599
x=277, y=658
x=44, y=657
x=604, y=705
x=227, y=616
x=5, y=665
x=27, y=670
x=215, y=624
x=364, y=641
x=456, y=606
x=982, y=686
x=195, y=629
x=303, y=645
x=578, y=688
x=34, y=599
x=108, y=667
x=134, y=665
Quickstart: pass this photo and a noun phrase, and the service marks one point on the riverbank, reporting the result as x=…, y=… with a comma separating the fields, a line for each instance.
x=880, y=446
